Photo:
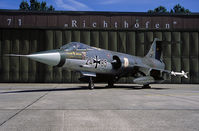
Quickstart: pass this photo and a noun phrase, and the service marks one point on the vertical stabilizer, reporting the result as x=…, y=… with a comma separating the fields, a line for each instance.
x=155, y=51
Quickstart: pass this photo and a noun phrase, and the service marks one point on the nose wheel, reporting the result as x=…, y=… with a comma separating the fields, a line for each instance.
x=91, y=84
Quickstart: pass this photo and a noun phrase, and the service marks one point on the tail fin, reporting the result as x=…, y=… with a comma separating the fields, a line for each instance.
x=155, y=51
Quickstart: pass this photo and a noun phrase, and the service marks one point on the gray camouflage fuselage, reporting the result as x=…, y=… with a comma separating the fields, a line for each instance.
x=100, y=65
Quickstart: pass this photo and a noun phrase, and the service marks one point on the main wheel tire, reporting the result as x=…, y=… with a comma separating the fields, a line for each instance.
x=110, y=84
x=91, y=84
x=146, y=86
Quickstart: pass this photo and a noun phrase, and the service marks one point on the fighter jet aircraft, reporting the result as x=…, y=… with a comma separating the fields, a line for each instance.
x=100, y=65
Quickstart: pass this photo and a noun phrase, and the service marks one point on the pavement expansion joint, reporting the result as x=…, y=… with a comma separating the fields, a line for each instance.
x=24, y=108
x=136, y=109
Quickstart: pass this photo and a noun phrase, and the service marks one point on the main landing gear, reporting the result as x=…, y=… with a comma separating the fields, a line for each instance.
x=146, y=86
x=91, y=83
x=110, y=84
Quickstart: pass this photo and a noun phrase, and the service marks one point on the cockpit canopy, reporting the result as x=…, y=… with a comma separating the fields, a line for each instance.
x=74, y=46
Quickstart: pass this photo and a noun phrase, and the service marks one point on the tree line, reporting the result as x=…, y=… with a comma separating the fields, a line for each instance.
x=176, y=9
x=35, y=6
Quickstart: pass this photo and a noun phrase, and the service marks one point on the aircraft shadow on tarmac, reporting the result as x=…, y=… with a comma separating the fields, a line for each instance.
x=83, y=88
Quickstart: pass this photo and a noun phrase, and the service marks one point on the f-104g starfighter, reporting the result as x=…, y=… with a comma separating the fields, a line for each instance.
x=100, y=65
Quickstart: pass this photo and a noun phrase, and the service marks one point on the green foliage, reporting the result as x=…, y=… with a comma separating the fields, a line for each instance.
x=35, y=6
x=51, y=8
x=179, y=9
x=43, y=6
x=176, y=9
x=24, y=6
x=160, y=9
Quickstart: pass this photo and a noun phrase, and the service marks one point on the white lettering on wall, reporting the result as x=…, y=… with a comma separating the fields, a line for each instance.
x=157, y=26
x=126, y=24
x=9, y=21
x=19, y=21
x=115, y=24
x=84, y=23
x=137, y=25
x=167, y=26
x=105, y=24
x=147, y=24
x=74, y=23
x=94, y=24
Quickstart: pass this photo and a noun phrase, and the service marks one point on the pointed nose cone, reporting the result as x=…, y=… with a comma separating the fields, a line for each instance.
x=51, y=57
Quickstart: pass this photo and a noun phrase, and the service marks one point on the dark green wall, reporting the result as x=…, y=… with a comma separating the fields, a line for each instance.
x=180, y=51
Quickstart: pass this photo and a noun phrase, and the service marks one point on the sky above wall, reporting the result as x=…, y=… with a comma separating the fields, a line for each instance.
x=108, y=5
